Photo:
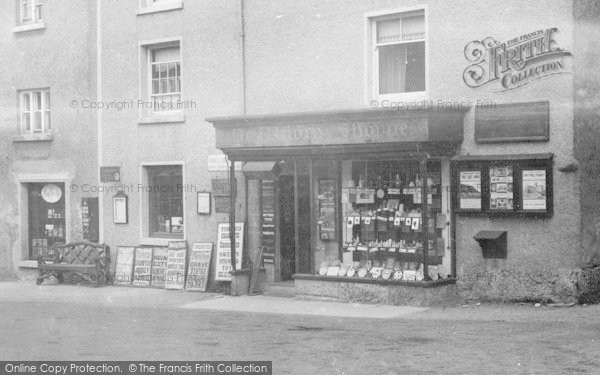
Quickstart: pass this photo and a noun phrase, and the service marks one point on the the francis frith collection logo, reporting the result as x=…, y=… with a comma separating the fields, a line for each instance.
x=516, y=62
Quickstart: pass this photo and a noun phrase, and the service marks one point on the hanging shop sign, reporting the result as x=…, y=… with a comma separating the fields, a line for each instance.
x=516, y=62
x=51, y=193
x=224, y=250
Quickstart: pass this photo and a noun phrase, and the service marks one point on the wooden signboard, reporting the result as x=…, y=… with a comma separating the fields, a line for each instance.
x=512, y=122
x=199, y=266
x=124, y=265
x=142, y=266
x=175, y=274
x=224, y=250
x=160, y=256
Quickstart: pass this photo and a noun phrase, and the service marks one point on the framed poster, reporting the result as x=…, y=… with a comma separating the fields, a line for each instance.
x=470, y=190
x=203, y=203
x=501, y=188
x=199, y=266
x=142, y=266
x=224, y=250
x=534, y=189
x=124, y=265
x=175, y=273
x=160, y=256
x=120, y=208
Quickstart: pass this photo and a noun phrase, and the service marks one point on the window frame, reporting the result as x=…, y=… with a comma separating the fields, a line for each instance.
x=148, y=115
x=151, y=96
x=45, y=111
x=32, y=6
x=518, y=166
x=372, y=53
x=144, y=206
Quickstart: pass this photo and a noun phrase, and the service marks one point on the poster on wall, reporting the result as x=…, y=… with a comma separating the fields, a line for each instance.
x=534, y=189
x=224, y=250
x=160, y=255
x=470, y=190
x=501, y=188
x=142, y=266
x=175, y=273
x=124, y=265
x=198, y=267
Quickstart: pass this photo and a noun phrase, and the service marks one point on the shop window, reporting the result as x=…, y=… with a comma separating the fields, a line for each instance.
x=398, y=57
x=388, y=223
x=34, y=108
x=30, y=12
x=46, y=212
x=165, y=201
x=503, y=185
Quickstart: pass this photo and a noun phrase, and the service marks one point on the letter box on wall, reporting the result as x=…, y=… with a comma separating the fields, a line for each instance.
x=492, y=242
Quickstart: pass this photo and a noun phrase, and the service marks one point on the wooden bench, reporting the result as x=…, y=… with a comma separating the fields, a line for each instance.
x=83, y=260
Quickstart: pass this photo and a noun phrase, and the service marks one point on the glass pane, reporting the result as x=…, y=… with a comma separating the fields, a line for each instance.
x=172, y=70
x=164, y=85
x=163, y=70
x=47, y=120
x=26, y=121
x=38, y=12
x=392, y=69
x=173, y=85
x=415, y=68
x=413, y=27
x=37, y=121
x=388, y=31
x=155, y=86
x=37, y=100
x=47, y=100
x=26, y=102
x=155, y=71
x=165, y=201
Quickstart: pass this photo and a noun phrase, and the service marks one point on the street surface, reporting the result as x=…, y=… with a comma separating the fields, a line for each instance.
x=52, y=322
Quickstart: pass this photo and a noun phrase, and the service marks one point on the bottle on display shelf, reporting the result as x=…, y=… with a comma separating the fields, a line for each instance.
x=397, y=182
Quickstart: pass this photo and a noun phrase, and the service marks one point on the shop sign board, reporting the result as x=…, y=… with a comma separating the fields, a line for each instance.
x=199, y=267
x=324, y=133
x=512, y=122
x=110, y=174
x=220, y=163
x=160, y=256
x=175, y=273
x=124, y=265
x=142, y=266
x=224, y=250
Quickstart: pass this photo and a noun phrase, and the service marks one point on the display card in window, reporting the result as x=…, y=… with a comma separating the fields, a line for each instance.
x=501, y=188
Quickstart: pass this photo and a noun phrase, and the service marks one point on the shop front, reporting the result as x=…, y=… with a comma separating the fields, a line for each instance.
x=351, y=205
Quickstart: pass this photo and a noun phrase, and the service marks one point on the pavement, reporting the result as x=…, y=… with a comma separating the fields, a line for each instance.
x=68, y=322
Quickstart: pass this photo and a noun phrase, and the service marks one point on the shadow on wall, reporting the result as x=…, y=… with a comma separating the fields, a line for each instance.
x=9, y=233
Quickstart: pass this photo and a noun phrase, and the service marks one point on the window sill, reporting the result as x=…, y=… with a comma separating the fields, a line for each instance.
x=159, y=241
x=162, y=6
x=30, y=27
x=28, y=264
x=44, y=137
x=162, y=119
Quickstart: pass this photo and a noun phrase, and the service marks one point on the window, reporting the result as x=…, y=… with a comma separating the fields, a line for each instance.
x=165, y=201
x=520, y=184
x=165, y=79
x=398, y=60
x=46, y=215
x=30, y=12
x=35, y=111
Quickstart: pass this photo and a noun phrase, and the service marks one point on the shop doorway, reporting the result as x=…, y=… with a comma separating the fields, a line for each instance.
x=294, y=253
